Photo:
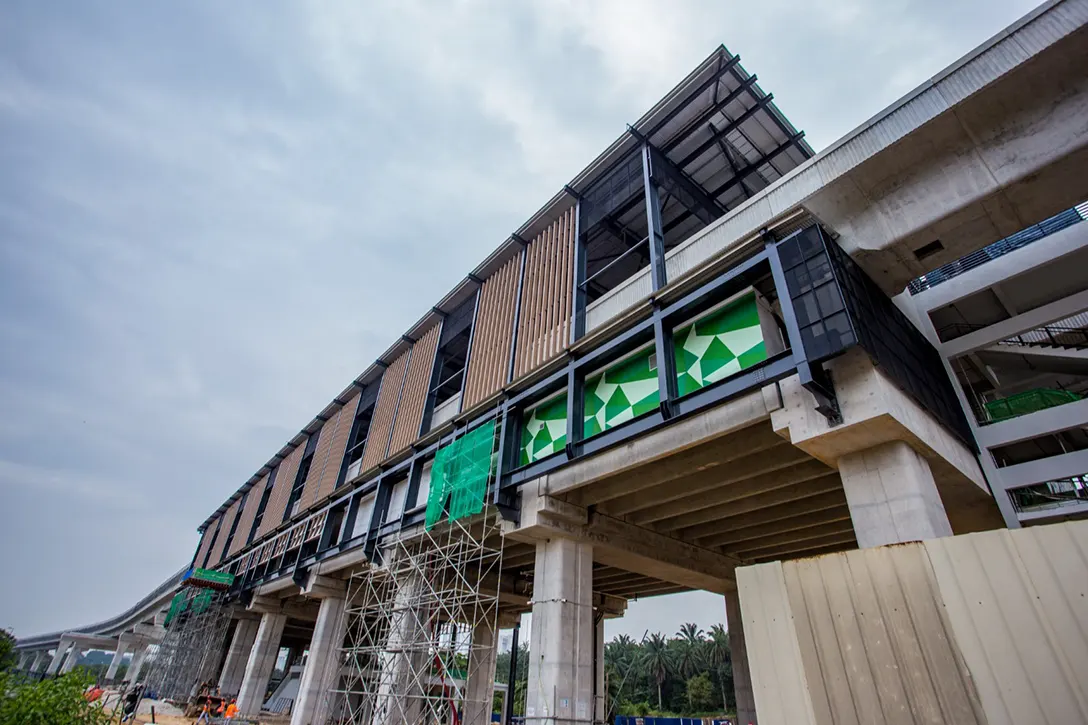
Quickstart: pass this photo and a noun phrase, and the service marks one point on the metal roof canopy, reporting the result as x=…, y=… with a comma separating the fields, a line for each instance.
x=717, y=126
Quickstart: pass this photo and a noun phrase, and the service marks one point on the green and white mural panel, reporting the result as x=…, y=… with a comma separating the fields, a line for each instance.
x=621, y=393
x=721, y=343
x=545, y=430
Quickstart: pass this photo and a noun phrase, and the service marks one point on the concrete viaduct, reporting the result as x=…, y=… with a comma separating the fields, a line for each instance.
x=801, y=456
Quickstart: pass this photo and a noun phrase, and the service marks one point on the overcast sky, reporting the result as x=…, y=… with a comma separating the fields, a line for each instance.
x=213, y=215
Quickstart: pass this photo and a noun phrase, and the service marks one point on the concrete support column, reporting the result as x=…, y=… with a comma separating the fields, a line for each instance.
x=58, y=657
x=560, y=688
x=322, y=664
x=399, y=699
x=892, y=495
x=600, y=700
x=72, y=659
x=481, y=675
x=245, y=632
x=738, y=650
x=261, y=662
x=118, y=655
x=39, y=661
x=137, y=663
x=24, y=658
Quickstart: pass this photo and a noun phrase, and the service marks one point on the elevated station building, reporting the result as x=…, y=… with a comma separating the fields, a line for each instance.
x=712, y=348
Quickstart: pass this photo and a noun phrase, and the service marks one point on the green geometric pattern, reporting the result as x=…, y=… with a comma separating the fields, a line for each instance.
x=460, y=474
x=718, y=345
x=545, y=430
x=621, y=393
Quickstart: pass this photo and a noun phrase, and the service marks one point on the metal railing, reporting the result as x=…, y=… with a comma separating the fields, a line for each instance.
x=1051, y=494
x=630, y=250
x=1000, y=248
x=1075, y=338
x=1030, y=401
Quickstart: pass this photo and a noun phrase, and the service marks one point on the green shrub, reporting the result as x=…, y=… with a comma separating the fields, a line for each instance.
x=56, y=701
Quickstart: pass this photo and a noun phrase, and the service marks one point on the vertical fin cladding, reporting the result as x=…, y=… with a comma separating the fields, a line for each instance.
x=249, y=513
x=544, y=327
x=417, y=384
x=336, y=434
x=494, y=330
x=224, y=532
x=381, y=425
x=285, y=481
x=205, y=543
x=324, y=435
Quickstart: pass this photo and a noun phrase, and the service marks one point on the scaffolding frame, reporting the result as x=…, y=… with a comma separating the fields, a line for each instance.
x=422, y=627
x=192, y=649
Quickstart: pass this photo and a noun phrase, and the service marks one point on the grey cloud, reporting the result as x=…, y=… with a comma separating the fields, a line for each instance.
x=214, y=215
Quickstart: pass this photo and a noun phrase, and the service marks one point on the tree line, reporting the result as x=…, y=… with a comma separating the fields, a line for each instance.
x=688, y=674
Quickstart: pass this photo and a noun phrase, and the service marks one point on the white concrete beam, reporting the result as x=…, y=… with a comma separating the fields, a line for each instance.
x=1032, y=425
x=625, y=545
x=1039, y=317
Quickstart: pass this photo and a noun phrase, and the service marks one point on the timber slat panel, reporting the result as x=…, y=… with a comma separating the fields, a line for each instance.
x=326, y=469
x=417, y=383
x=377, y=442
x=285, y=481
x=490, y=360
x=544, y=327
x=309, y=488
x=224, y=532
x=205, y=542
x=249, y=512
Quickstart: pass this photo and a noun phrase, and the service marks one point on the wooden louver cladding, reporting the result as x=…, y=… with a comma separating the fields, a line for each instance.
x=224, y=532
x=205, y=543
x=249, y=512
x=325, y=469
x=377, y=441
x=490, y=361
x=417, y=384
x=544, y=324
x=285, y=480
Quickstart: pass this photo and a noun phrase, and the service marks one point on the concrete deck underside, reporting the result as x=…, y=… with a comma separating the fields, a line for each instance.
x=722, y=481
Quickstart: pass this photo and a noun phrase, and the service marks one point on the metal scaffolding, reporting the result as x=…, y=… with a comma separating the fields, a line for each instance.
x=192, y=650
x=421, y=629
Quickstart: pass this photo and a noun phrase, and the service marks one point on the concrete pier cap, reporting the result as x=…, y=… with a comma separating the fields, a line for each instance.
x=875, y=413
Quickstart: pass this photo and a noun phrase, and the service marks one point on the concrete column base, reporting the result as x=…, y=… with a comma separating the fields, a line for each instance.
x=137, y=664
x=58, y=657
x=230, y=679
x=399, y=699
x=481, y=675
x=322, y=664
x=892, y=496
x=742, y=677
x=72, y=659
x=261, y=662
x=600, y=696
x=115, y=663
x=561, y=673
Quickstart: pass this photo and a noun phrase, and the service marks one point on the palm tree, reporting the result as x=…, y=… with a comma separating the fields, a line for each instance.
x=689, y=650
x=719, y=656
x=656, y=662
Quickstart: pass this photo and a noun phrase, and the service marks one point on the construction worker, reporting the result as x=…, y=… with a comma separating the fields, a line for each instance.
x=232, y=709
x=205, y=713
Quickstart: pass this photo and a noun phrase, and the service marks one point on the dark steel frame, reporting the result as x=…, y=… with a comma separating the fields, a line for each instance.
x=657, y=328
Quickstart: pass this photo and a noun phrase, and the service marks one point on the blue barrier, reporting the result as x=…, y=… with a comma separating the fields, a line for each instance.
x=635, y=720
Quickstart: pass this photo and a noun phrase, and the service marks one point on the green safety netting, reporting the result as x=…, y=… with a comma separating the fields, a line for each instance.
x=177, y=606
x=460, y=474
x=1028, y=402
